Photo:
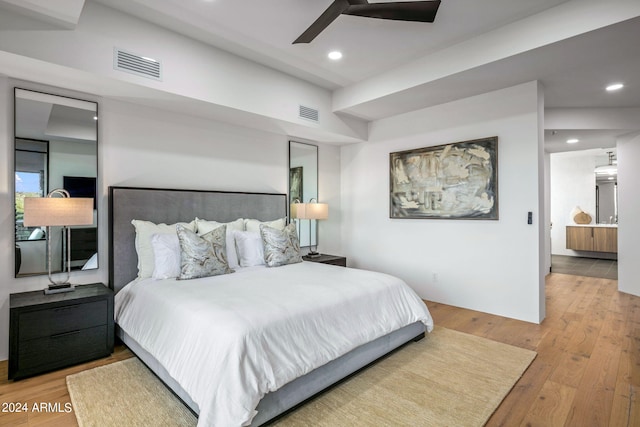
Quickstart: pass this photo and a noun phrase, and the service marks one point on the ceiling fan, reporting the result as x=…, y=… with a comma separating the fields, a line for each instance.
x=421, y=11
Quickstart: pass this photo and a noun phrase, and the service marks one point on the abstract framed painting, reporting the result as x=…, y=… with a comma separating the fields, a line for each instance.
x=295, y=184
x=450, y=181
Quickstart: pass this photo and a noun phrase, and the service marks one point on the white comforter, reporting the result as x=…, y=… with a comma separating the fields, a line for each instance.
x=228, y=340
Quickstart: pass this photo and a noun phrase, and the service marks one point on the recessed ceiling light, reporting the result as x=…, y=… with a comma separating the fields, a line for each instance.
x=95, y=117
x=614, y=86
x=335, y=55
x=572, y=140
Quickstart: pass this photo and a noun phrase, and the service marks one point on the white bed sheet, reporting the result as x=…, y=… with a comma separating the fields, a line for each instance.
x=228, y=340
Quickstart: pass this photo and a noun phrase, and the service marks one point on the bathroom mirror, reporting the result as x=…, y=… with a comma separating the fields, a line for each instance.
x=55, y=146
x=303, y=185
x=607, y=189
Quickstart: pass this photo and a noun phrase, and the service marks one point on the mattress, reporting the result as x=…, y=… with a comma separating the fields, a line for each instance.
x=228, y=340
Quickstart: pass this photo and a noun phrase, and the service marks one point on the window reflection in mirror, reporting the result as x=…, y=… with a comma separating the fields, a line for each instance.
x=55, y=147
x=31, y=174
x=303, y=184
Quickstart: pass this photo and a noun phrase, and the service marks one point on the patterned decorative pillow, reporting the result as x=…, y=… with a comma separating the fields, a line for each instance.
x=202, y=256
x=281, y=247
x=203, y=227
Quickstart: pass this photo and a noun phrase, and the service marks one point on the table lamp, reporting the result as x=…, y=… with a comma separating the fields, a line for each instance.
x=58, y=210
x=311, y=211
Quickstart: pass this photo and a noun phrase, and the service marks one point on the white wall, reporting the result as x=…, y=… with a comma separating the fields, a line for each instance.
x=330, y=237
x=144, y=146
x=490, y=266
x=7, y=213
x=238, y=89
x=628, y=214
x=573, y=183
x=544, y=210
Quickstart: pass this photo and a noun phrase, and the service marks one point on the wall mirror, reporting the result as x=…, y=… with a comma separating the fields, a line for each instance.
x=607, y=188
x=55, y=146
x=303, y=185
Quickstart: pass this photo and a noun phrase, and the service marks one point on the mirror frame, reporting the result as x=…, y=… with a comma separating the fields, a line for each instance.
x=304, y=227
x=68, y=101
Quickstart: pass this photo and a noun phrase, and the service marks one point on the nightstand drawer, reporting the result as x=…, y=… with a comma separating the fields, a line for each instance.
x=342, y=262
x=48, y=332
x=53, y=321
x=327, y=259
x=63, y=349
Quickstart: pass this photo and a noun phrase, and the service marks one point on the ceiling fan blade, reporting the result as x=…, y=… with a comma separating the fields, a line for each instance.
x=421, y=11
x=328, y=16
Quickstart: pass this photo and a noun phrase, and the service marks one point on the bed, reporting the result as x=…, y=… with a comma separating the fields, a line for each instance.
x=278, y=371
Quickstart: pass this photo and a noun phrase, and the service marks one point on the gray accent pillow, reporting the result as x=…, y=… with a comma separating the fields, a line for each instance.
x=281, y=247
x=202, y=256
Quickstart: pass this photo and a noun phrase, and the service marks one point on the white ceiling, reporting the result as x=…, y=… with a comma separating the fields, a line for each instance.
x=264, y=31
x=573, y=60
x=598, y=139
x=573, y=71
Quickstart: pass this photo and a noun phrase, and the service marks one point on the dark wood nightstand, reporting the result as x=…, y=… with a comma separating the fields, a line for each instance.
x=49, y=332
x=328, y=259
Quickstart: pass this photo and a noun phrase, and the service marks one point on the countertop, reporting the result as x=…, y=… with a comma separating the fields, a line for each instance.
x=593, y=225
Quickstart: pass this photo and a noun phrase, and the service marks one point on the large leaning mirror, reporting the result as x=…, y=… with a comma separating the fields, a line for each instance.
x=56, y=146
x=303, y=185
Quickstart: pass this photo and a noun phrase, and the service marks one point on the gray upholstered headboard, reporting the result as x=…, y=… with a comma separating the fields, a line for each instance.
x=170, y=206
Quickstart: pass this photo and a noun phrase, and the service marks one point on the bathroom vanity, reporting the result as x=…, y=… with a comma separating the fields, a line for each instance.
x=593, y=237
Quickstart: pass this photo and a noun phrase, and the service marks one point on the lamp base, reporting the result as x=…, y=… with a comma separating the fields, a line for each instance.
x=57, y=289
x=313, y=254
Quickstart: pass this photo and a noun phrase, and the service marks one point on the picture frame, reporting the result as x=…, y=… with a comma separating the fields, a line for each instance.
x=450, y=181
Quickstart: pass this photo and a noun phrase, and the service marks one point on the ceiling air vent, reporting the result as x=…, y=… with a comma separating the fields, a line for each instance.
x=136, y=64
x=308, y=113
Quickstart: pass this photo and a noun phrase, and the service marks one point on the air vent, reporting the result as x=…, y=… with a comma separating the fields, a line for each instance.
x=308, y=113
x=136, y=64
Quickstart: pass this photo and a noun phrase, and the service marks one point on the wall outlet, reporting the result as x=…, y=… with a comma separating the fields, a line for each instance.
x=435, y=277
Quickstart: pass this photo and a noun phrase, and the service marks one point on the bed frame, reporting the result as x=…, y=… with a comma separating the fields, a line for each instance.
x=170, y=206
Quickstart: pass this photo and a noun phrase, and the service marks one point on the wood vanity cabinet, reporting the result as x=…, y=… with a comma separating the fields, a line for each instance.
x=594, y=239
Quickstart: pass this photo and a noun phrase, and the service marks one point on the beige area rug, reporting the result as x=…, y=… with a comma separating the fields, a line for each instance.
x=125, y=394
x=447, y=379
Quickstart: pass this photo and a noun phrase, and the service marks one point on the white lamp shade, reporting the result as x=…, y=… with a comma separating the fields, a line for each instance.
x=297, y=210
x=309, y=210
x=317, y=211
x=57, y=211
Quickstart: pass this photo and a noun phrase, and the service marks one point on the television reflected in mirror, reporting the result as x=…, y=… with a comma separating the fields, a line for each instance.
x=81, y=186
x=55, y=142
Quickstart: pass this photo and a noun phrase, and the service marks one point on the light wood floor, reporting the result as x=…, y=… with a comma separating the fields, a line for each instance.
x=587, y=372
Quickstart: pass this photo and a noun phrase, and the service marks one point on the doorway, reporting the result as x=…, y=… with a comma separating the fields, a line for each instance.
x=580, y=213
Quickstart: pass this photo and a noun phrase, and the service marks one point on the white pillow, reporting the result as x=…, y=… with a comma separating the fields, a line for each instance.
x=249, y=247
x=253, y=225
x=203, y=226
x=144, y=231
x=166, y=254
x=91, y=263
x=36, y=234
